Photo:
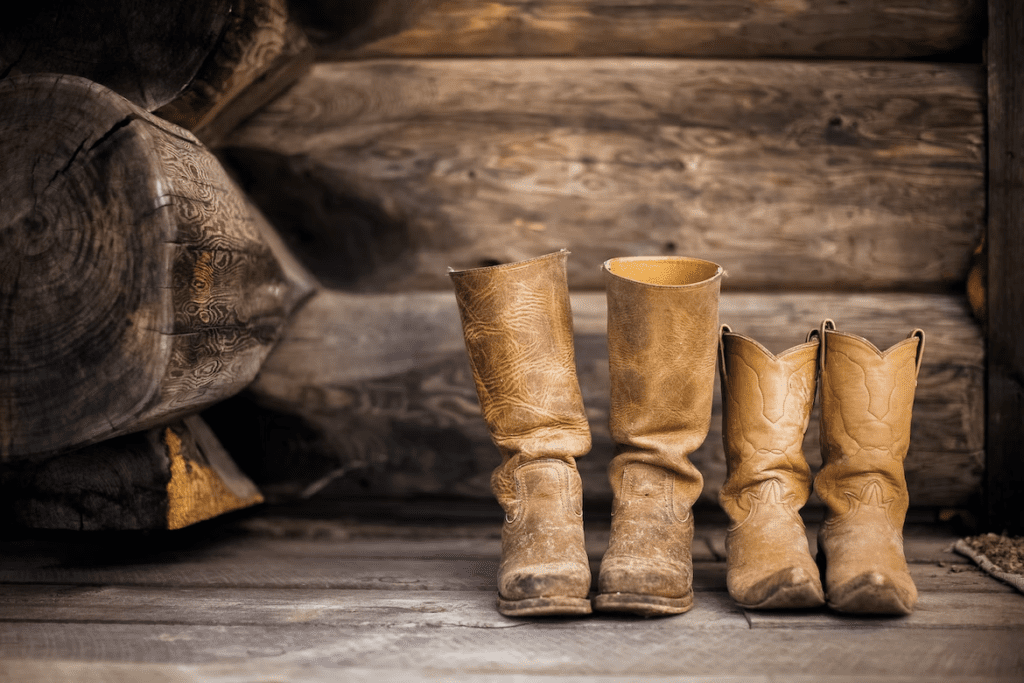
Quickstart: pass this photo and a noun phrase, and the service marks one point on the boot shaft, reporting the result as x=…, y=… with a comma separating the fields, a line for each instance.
x=517, y=324
x=766, y=406
x=662, y=341
x=867, y=399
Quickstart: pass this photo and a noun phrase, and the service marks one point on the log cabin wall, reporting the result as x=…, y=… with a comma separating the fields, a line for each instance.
x=828, y=153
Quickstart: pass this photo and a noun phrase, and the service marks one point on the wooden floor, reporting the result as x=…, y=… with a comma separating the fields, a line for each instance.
x=266, y=596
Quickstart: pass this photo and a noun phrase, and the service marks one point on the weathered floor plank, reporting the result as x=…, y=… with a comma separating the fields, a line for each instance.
x=283, y=599
x=572, y=647
x=405, y=609
x=34, y=671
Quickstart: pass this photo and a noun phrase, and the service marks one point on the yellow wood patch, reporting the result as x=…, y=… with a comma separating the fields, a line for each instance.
x=195, y=491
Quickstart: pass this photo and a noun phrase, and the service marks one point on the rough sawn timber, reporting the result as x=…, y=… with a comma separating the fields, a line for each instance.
x=692, y=28
x=791, y=174
x=137, y=284
x=372, y=394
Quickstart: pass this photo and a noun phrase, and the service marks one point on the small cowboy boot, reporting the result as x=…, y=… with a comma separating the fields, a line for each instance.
x=866, y=402
x=518, y=330
x=766, y=405
x=662, y=339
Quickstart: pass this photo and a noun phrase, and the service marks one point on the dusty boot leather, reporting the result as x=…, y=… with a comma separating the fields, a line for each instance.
x=766, y=405
x=662, y=341
x=866, y=402
x=518, y=330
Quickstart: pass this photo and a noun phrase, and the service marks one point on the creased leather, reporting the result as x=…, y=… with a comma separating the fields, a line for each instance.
x=766, y=406
x=867, y=399
x=543, y=552
x=662, y=341
x=517, y=325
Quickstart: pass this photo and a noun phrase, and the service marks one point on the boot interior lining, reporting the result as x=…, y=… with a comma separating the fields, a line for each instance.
x=669, y=272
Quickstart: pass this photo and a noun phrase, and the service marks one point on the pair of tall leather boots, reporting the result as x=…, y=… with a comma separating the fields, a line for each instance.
x=663, y=338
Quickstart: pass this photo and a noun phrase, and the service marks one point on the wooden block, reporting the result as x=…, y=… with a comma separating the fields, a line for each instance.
x=794, y=175
x=137, y=283
x=164, y=478
x=705, y=28
x=372, y=394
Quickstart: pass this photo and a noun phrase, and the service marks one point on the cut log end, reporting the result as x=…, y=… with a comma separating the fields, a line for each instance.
x=136, y=282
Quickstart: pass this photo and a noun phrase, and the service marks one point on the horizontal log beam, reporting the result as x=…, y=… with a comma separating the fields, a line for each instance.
x=694, y=28
x=798, y=175
x=372, y=394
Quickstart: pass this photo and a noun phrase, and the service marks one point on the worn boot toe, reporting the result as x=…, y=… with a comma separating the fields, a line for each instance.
x=790, y=588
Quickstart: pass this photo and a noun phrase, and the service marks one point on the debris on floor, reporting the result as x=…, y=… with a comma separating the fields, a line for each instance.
x=999, y=555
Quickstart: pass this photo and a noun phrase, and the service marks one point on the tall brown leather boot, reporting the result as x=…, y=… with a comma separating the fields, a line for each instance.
x=518, y=329
x=662, y=341
x=766, y=405
x=866, y=402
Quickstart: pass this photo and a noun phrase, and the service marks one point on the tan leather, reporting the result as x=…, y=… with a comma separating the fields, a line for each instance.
x=662, y=341
x=766, y=405
x=866, y=401
x=517, y=326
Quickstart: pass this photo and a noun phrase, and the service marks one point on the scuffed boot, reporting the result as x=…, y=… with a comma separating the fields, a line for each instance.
x=866, y=402
x=517, y=325
x=662, y=341
x=766, y=405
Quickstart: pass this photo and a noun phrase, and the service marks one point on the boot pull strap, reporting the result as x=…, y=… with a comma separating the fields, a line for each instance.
x=721, y=351
x=826, y=324
x=919, y=333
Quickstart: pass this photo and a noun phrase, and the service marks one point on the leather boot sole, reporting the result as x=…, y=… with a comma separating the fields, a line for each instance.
x=644, y=605
x=544, y=606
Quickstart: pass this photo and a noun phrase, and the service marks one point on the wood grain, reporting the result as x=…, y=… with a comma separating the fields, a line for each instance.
x=372, y=394
x=586, y=649
x=135, y=282
x=146, y=50
x=167, y=477
x=260, y=53
x=792, y=174
x=430, y=609
x=701, y=28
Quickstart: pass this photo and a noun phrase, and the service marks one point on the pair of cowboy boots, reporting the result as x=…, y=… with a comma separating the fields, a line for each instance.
x=663, y=336
x=866, y=401
x=662, y=343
